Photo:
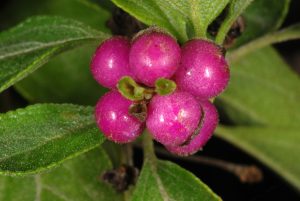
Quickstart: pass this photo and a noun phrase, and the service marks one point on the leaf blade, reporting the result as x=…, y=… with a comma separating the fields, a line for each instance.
x=204, y=12
x=71, y=68
x=51, y=133
x=75, y=180
x=259, y=83
x=184, y=19
x=29, y=45
x=277, y=147
x=165, y=183
x=260, y=21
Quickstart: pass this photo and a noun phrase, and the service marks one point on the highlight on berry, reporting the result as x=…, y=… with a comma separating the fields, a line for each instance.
x=157, y=84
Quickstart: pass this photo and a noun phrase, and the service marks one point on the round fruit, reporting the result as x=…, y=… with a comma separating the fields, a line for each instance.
x=173, y=118
x=196, y=142
x=203, y=70
x=111, y=61
x=154, y=55
x=113, y=118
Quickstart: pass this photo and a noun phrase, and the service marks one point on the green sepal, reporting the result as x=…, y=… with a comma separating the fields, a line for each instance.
x=164, y=86
x=130, y=89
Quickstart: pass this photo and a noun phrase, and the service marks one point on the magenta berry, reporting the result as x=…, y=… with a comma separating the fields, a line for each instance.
x=154, y=55
x=208, y=125
x=173, y=118
x=203, y=69
x=177, y=113
x=111, y=61
x=113, y=118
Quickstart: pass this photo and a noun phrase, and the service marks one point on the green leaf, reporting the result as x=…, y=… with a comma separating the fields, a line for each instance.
x=168, y=181
x=71, y=69
x=75, y=180
x=262, y=90
x=203, y=12
x=42, y=136
x=236, y=8
x=32, y=43
x=184, y=19
x=261, y=17
x=82, y=10
x=289, y=33
x=73, y=80
x=277, y=147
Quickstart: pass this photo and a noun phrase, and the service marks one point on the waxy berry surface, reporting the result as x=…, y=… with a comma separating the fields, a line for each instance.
x=111, y=61
x=113, y=118
x=203, y=70
x=173, y=118
x=154, y=55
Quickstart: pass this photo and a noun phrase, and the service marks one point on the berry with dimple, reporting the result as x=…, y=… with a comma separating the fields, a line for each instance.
x=208, y=124
x=182, y=119
x=173, y=118
x=203, y=70
x=154, y=55
x=113, y=118
x=111, y=61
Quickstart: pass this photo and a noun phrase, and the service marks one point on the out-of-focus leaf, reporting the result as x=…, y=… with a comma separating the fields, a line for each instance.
x=65, y=79
x=32, y=43
x=262, y=90
x=167, y=181
x=42, y=136
x=264, y=93
x=75, y=180
x=289, y=33
x=73, y=80
x=261, y=17
x=82, y=10
x=277, y=147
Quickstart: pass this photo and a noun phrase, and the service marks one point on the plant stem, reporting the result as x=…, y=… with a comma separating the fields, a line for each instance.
x=289, y=33
x=149, y=152
x=246, y=173
x=127, y=154
x=127, y=158
x=222, y=32
x=126, y=196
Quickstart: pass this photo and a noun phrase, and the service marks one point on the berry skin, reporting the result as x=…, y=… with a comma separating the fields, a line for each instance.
x=111, y=61
x=154, y=55
x=209, y=122
x=113, y=119
x=203, y=70
x=173, y=118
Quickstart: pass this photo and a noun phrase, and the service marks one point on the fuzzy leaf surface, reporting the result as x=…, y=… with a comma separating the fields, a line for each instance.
x=75, y=180
x=42, y=136
x=32, y=43
x=166, y=181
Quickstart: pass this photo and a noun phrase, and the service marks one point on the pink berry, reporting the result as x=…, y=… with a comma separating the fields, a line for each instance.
x=173, y=118
x=113, y=118
x=154, y=55
x=208, y=125
x=203, y=70
x=111, y=61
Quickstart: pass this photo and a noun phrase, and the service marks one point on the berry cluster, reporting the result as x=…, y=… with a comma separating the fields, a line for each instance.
x=182, y=119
